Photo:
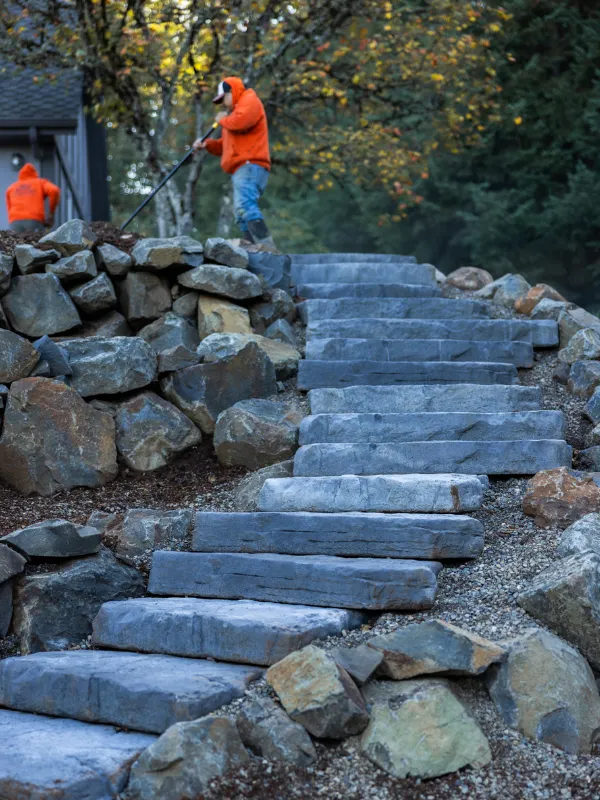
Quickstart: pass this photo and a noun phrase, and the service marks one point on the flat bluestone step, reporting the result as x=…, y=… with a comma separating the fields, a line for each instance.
x=421, y=536
x=436, y=494
x=333, y=291
x=518, y=353
x=323, y=374
x=396, y=272
x=466, y=458
x=350, y=258
x=363, y=583
x=416, y=399
x=435, y=308
x=430, y=427
x=131, y=690
x=44, y=758
x=539, y=333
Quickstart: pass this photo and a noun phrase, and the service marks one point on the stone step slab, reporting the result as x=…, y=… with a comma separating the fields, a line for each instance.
x=418, y=494
x=333, y=291
x=361, y=583
x=435, y=308
x=44, y=758
x=131, y=690
x=465, y=458
x=430, y=427
x=539, y=333
x=418, y=399
x=518, y=353
x=357, y=535
x=363, y=272
x=242, y=631
x=350, y=258
x=331, y=374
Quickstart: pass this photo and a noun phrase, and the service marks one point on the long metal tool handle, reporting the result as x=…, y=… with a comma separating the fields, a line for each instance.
x=188, y=155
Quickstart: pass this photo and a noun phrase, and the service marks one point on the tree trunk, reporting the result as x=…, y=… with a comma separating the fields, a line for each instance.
x=225, y=222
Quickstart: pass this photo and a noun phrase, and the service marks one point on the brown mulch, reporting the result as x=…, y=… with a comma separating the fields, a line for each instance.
x=106, y=232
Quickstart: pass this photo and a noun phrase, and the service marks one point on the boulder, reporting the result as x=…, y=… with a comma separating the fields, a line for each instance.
x=359, y=662
x=6, y=270
x=319, y=694
x=574, y=319
x=257, y=433
x=54, y=538
x=73, y=268
x=95, y=296
x=184, y=761
x=187, y=305
x=580, y=537
x=71, y=237
x=54, y=355
x=143, y=530
x=249, y=488
x=539, y=292
x=37, y=304
x=174, y=340
x=237, y=284
x=31, y=259
x=560, y=497
x=56, y=609
x=420, y=729
x=584, y=378
x=593, y=407
x=279, y=306
x=107, y=326
x=549, y=309
x=546, y=690
x=222, y=345
x=114, y=261
x=273, y=269
x=204, y=391
x=52, y=440
x=224, y=252
x=17, y=357
x=11, y=563
x=110, y=366
x=6, y=607
x=150, y=432
x=505, y=290
x=220, y=316
x=268, y=732
x=281, y=331
x=432, y=647
x=159, y=254
x=590, y=458
x=583, y=345
x=469, y=279
x=143, y=297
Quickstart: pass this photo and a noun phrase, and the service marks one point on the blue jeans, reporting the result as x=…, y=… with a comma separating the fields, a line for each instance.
x=249, y=182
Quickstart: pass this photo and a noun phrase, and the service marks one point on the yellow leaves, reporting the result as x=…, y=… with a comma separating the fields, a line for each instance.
x=518, y=120
x=437, y=77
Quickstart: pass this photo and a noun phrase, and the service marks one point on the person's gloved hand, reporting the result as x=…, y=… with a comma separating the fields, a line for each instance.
x=221, y=115
x=199, y=145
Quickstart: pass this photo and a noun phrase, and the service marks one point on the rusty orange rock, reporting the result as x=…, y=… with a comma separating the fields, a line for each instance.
x=560, y=497
x=541, y=291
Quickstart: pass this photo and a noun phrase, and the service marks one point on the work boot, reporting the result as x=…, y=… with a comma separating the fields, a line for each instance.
x=259, y=233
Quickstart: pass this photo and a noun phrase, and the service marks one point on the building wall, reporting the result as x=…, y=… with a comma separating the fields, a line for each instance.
x=74, y=148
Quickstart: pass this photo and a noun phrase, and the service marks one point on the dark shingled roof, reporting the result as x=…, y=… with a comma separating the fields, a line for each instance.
x=24, y=102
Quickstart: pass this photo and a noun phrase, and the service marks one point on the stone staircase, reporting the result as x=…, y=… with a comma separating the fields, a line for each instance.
x=415, y=401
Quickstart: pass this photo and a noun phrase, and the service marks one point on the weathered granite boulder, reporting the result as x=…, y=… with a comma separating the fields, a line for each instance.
x=222, y=345
x=143, y=530
x=80, y=266
x=150, y=432
x=279, y=306
x=505, y=290
x=187, y=305
x=539, y=292
x=583, y=345
x=110, y=366
x=575, y=319
x=580, y=537
x=174, y=340
x=257, y=433
x=584, y=378
x=237, y=284
x=593, y=407
x=268, y=732
x=420, y=728
x=11, y=563
x=547, y=691
x=319, y=694
x=549, y=309
x=37, y=304
x=116, y=262
x=590, y=457
x=143, y=297
x=359, y=662
x=31, y=259
x=220, y=316
x=107, y=326
x=52, y=440
x=17, y=357
x=54, y=355
x=560, y=497
x=54, y=538
x=469, y=279
x=186, y=759
x=159, y=254
x=281, y=331
x=71, y=237
x=6, y=270
x=95, y=296
x=273, y=269
x=249, y=488
x=204, y=391
x=223, y=252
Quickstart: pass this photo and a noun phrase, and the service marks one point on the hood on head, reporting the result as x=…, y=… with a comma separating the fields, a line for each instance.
x=27, y=172
x=237, y=88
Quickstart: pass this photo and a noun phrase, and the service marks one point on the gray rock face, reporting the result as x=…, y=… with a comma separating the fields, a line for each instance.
x=55, y=609
x=355, y=273
x=392, y=308
x=224, y=252
x=114, y=261
x=143, y=297
x=571, y=320
x=319, y=694
x=107, y=326
x=6, y=607
x=174, y=340
x=359, y=662
x=238, y=284
x=506, y=290
x=160, y=254
x=256, y=433
x=421, y=729
x=549, y=309
x=584, y=378
x=145, y=529
x=580, y=537
x=95, y=296
x=110, y=366
x=71, y=237
x=469, y=279
x=204, y=391
x=54, y=538
x=279, y=306
x=11, y=563
x=17, y=357
x=52, y=440
x=593, y=407
x=274, y=269
x=221, y=345
x=216, y=315
x=54, y=355
x=333, y=291
x=79, y=266
x=31, y=259
x=6, y=270
x=281, y=331
x=547, y=691
x=61, y=759
x=187, y=305
x=37, y=304
x=249, y=488
x=583, y=345
x=184, y=761
x=268, y=732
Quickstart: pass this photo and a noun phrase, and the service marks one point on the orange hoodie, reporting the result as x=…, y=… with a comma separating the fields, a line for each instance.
x=25, y=198
x=245, y=131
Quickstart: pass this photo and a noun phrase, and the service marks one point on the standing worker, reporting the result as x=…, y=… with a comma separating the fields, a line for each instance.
x=244, y=151
x=26, y=201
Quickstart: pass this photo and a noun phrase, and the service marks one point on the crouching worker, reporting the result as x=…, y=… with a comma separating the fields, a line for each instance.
x=26, y=201
x=244, y=151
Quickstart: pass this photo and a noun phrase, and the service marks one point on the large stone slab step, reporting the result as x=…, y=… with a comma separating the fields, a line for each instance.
x=360, y=535
x=324, y=374
x=361, y=583
x=229, y=630
x=430, y=427
x=435, y=494
x=44, y=758
x=539, y=333
x=518, y=353
x=432, y=398
x=435, y=308
x=357, y=272
x=333, y=291
x=350, y=258
x=466, y=458
x=131, y=690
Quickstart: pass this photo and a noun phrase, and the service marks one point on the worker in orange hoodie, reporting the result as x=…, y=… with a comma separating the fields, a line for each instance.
x=26, y=201
x=244, y=151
